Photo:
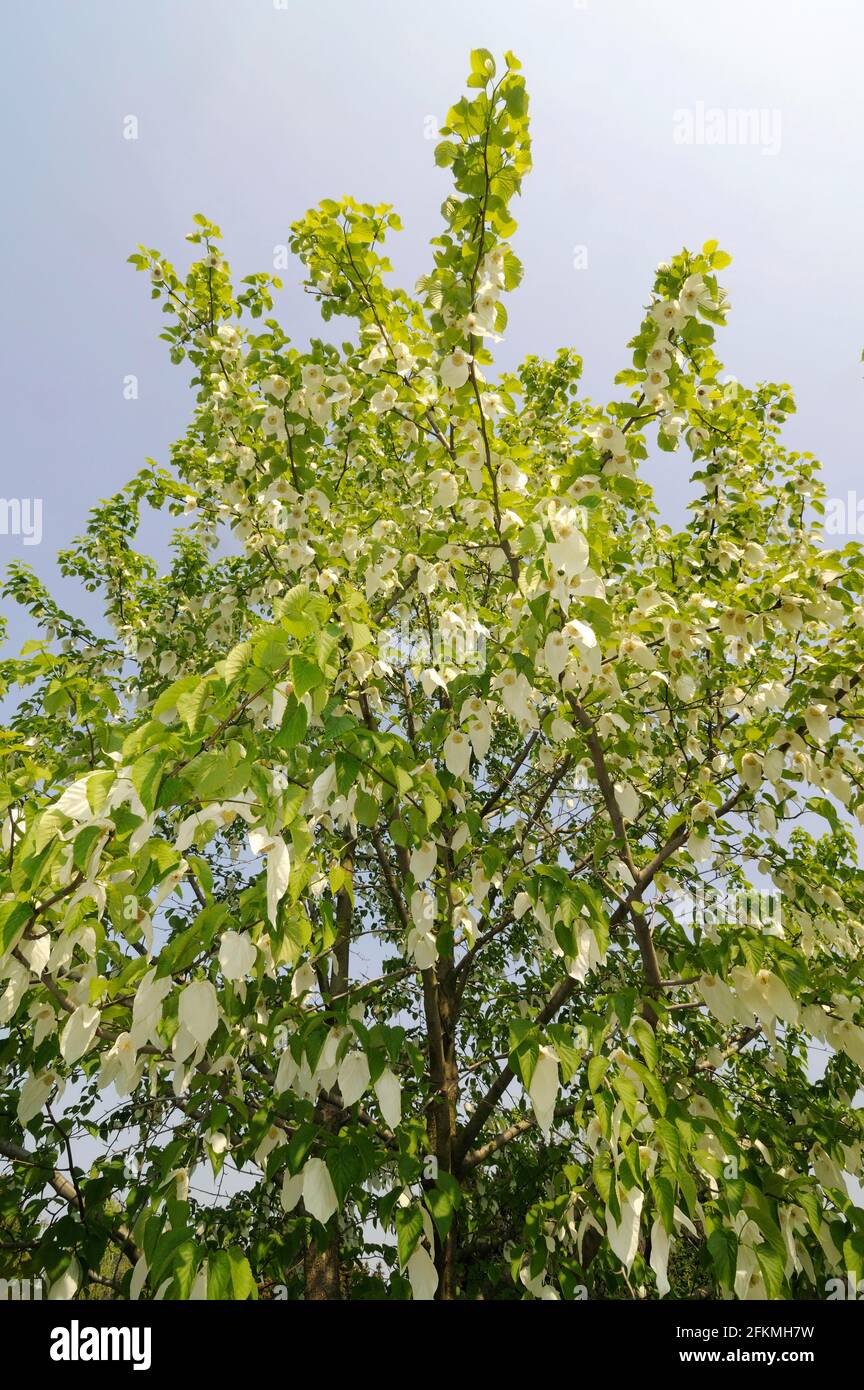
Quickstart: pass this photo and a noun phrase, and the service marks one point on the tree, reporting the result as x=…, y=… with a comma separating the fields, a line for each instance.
x=431, y=842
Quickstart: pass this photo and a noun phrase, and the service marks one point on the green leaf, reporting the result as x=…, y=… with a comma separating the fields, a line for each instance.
x=432, y=808
x=723, y=1249
x=164, y=1253
x=146, y=775
x=236, y=661
x=853, y=1255
x=664, y=1196
x=213, y=775
x=305, y=675
x=623, y=1003
x=302, y=612
x=597, y=1068
x=271, y=653
x=445, y=153
x=670, y=1141
x=569, y=1054
x=85, y=842
x=524, y=1049
x=516, y=98
x=185, y=947
x=409, y=1229
x=243, y=1284
x=442, y=1201
x=187, y=1258
x=482, y=63
x=220, y=1284
x=98, y=787
x=772, y=1264
x=202, y=871
x=345, y=1166
x=14, y=916
x=366, y=809
x=189, y=704
x=646, y=1040
x=294, y=724
x=169, y=697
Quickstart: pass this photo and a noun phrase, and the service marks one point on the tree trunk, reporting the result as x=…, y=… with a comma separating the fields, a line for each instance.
x=321, y=1271
x=440, y=1008
x=321, y=1263
x=445, y=1121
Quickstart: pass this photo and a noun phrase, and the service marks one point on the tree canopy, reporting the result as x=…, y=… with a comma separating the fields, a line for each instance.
x=432, y=840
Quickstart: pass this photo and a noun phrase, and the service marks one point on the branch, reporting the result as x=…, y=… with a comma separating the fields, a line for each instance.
x=514, y=768
x=562, y=991
x=513, y=1131
x=604, y=781
x=64, y=1189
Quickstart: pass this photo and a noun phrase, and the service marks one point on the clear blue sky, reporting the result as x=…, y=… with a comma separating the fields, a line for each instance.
x=251, y=113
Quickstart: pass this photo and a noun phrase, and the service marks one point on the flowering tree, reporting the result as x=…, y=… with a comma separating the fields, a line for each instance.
x=393, y=849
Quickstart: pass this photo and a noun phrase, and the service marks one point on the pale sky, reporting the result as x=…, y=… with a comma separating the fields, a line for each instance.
x=251, y=111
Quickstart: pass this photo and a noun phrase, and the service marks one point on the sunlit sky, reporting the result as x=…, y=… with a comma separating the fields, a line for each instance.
x=251, y=111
